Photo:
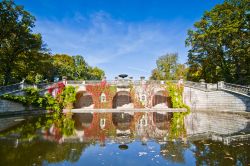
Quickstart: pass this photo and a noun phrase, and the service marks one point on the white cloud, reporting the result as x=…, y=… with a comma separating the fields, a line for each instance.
x=114, y=44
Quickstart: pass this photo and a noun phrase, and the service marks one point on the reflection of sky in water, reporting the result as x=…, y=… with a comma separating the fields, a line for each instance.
x=136, y=154
x=101, y=139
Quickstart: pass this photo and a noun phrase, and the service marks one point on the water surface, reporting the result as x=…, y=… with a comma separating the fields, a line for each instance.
x=136, y=138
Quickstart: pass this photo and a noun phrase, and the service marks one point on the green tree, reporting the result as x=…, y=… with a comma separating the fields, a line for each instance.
x=35, y=68
x=64, y=65
x=181, y=71
x=75, y=68
x=168, y=68
x=18, y=44
x=219, y=44
x=95, y=73
x=156, y=75
x=81, y=67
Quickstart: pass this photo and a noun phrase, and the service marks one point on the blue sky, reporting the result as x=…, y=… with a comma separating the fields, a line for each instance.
x=119, y=36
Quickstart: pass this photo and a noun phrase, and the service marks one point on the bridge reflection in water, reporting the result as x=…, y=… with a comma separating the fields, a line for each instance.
x=157, y=125
x=142, y=137
x=134, y=125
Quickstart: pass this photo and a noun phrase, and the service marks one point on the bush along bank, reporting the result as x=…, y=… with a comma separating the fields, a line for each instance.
x=177, y=127
x=55, y=117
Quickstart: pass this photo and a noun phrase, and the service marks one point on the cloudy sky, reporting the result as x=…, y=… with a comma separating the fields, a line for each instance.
x=119, y=36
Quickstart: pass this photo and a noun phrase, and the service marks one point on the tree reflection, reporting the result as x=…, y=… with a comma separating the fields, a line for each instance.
x=30, y=153
x=173, y=151
x=48, y=140
x=177, y=126
x=216, y=153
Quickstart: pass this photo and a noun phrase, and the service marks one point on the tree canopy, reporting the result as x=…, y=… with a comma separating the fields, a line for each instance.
x=220, y=44
x=19, y=46
x=23, y=55
x=75, y=68
x=168, y=68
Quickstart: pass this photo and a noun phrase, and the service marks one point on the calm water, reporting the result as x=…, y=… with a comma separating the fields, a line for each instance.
x=129, y=139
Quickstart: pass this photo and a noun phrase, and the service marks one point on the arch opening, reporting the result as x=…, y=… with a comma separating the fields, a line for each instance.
x=83, y=100
x=161, y=100
x=122, y=99
x=82, y=120
x=122, y=121
x=162, y=120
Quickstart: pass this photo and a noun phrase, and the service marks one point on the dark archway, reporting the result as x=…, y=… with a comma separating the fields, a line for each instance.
x=122, y=121
x=82, y=120
x=161, y=97
x=162, y=120
x=121, y=98
x=83, y=99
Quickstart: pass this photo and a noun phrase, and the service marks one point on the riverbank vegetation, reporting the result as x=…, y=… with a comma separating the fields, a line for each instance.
x=32, y=98
x=54, y=106
x=177, y=126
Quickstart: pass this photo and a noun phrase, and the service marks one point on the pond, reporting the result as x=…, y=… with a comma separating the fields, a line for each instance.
x=128, y=138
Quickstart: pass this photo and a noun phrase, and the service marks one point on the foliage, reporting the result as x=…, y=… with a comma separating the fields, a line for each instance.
x=97, y=89
x=168, y=68
x=57, y=88
x=67, y=97
x=156, y=75
x=219, y=44
x=20, y=47
x=75, y=68
x=68, y=127
x=63, y=65
x=18, y=99
x=38, y=78
x=23, y=55
x=95, y=73
x=177, y=127
x=137, y=103
x=53, y=105
x=181, y=72
x=31, y=97
x=81, y=68
x=175, y=92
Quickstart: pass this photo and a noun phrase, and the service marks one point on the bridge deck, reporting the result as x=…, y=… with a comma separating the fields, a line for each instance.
x=130, y=110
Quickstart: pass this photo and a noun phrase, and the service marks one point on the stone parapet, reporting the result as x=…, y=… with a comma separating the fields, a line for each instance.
x=215, y=100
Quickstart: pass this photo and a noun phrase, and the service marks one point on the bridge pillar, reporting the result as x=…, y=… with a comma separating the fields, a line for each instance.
x=64, y=79
x=220, y=84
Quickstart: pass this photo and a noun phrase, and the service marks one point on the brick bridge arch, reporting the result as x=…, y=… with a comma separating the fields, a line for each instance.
x=160, y=97
x=121, y=98
x=162, y=120
x=83, y=120
x=83, y=99
x=122, y=121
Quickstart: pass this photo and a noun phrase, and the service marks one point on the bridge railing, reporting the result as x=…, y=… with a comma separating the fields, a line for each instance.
x=200, y=85
x=115, y=82
x=11, y=88
x=219, y=86
x=20, y=86
x=236, y=88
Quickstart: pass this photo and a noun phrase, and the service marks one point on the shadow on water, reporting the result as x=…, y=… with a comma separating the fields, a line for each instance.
x=138, y=138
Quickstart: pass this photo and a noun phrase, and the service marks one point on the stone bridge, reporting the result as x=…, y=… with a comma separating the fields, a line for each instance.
x=126, y=94
x=216, y=97
x=152, y=94
x=121, y=93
